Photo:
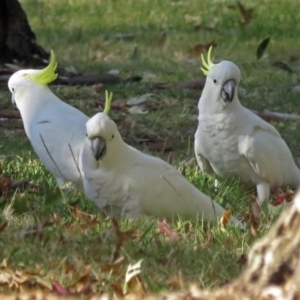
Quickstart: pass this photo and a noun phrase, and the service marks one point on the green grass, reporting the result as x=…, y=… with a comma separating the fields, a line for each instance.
x=86, y=35
x=193, y=257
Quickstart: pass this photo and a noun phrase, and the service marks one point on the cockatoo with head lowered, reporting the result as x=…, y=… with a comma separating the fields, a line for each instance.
x=124, y=181
x=55, y=129
x=233, y=141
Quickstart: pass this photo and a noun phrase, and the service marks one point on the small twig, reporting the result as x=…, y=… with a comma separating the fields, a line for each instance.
x=269, y=115
x=75, y=160
x=51, y=156
x=20, y=183
x=197, y=84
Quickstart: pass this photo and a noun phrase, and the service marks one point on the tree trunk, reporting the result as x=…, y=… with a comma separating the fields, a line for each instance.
x=17, y=40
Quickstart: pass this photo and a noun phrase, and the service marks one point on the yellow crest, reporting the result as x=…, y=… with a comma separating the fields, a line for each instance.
x=46, y=75
x=207, y=66
x=108, y=98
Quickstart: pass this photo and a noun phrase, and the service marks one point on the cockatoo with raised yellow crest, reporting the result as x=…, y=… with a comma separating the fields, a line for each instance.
x=55, y=129
x=233, y=141
x=124, y=181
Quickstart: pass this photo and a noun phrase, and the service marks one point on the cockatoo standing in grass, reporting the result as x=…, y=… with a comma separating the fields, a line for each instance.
x=124, y=181
x=233, y=141
x=55, y=129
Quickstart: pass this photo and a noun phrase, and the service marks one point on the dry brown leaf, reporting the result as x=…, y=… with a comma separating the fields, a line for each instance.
x=86, y=289
x=89, y=224
x=69, y=268
x=117, y=289
x=164, y=228
x=255, y=207
x=117, y=250
x=5, y=184
x=254, y=225
x=121, y=237
x=208, y=240
x=280, y=197
x=175, y=283
x=113, y=266
x=242, y=260
x=81, y=283
x=3, y=226
x=98, y=88
x=56, y=218
x=118, y=105
x=17, y=279
x=247, y=14
x=201, y=48
x=136, y=287
x=252, y=215
x=59, y=289
x=43, y=283
x=129, y=234
x=82, y=215
x=225, y=219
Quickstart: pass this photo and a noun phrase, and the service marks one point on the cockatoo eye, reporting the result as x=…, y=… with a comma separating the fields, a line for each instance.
x=12, y=89
x=215, y=81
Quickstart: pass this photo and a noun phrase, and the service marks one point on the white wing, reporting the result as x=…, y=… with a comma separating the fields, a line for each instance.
x=269, y=156
x=57, y=136
x=164, y=192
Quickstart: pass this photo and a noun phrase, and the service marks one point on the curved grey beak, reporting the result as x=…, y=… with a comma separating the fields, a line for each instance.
x=228, y=90
x=98, y=148
x=13, y=101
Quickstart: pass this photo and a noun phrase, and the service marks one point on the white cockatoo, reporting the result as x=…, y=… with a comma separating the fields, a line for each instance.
x=233, y=141
x=124, y=181
x=55, y=129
